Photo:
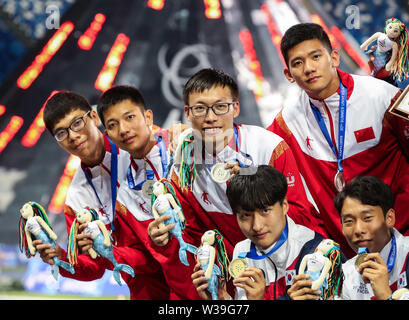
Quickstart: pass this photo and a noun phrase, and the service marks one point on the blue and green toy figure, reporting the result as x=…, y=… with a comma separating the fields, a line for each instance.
x=34, y=224
x=102, y=241
x=214, y=261
x=325, y=269
x=164, y=201
x=389, y=57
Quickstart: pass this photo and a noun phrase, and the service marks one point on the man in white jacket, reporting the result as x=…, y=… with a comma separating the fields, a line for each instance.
x=367, y=217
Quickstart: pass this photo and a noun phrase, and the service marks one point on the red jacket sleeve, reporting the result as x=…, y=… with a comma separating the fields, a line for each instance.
x=301, y=210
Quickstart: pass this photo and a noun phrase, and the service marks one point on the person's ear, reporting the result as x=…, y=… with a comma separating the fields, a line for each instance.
x=390, y=218
x=236, y=109
x=335, y=58
x=288, y=75
x=94, y=116
x=285, y=205
x=148, y=117
x=187, y=113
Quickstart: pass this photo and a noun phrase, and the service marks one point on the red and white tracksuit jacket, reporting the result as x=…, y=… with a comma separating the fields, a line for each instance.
x=371, y=148
x=206, y=206
x=176, y=275
x=129, y=235
x=354, y=287
x=283, y=264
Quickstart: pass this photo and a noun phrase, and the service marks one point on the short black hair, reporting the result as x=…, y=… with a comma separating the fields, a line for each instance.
x=263, y=188
x=206, y=79
x=302, y=32
x=116, y=95
x=61, y=104
x=368, y=190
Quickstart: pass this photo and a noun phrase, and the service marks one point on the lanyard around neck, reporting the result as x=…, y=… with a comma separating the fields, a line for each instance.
x=149, y=174
x=114, y=180
x=252, y=254
x=392, y=254
x=341, y=125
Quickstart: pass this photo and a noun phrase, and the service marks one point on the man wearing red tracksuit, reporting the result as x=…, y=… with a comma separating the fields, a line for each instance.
x=368, y=146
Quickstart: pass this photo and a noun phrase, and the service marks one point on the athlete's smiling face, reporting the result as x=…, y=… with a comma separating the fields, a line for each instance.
x=365, y=225
x=213, y=128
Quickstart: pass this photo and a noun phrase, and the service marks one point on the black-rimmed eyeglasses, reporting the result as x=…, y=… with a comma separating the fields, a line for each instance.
x=219, y=109
x=77, y=125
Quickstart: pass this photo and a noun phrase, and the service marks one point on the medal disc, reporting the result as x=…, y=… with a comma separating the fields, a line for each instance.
x=219, y=173
x=360, y=259
x=147, y=188
x=339, y=181
x=237, y=267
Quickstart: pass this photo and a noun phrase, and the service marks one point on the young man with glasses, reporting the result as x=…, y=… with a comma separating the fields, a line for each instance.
x=211, y=104
x=97, y=184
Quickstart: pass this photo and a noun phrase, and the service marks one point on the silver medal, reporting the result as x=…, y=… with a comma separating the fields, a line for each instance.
x=147, y=188
x=219, y=173
x=339, y=181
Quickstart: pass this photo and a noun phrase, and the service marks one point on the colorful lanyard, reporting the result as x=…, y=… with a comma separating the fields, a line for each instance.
x=149, y=174
x=252, y=254
x=342, y=121
x=114, y=179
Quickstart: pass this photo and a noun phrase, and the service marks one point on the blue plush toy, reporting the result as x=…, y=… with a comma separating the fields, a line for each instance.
x=34, y=222
x=102, y=242
x=164, y=201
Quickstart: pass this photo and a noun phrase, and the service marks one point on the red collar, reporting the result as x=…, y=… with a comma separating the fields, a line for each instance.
x=347, y=81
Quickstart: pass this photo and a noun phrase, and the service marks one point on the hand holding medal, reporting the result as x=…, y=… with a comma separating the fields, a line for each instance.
x=222, y=172
x=374, y=271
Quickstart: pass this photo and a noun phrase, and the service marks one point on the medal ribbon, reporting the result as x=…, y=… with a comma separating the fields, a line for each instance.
x=252, y=254
x=149, y=174
x=341, y=125
x=391, y=257
x=392, y=254
x=114, y=180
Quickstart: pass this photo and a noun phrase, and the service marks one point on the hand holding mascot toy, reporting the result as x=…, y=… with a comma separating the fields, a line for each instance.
x=34, y=223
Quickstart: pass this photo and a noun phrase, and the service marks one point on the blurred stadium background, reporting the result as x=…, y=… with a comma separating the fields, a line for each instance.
x=155, y=45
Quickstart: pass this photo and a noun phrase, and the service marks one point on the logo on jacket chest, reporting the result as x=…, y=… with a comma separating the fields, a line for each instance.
x=308, y=143
x=205, y=198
